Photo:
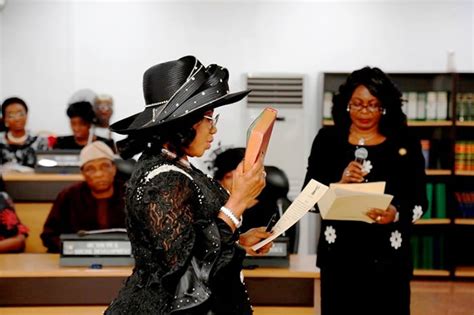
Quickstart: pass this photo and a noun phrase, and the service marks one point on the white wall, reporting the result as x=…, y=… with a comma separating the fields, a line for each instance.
x=52, y=48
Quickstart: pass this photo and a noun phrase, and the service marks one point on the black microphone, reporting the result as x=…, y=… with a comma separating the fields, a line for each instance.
x=361, y=155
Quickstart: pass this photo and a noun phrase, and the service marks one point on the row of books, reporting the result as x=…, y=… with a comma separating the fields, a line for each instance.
x=437, y=206
x=431, y=105
x=464, y=156
x=465, y=106
x=465, y=202
x=428, y=252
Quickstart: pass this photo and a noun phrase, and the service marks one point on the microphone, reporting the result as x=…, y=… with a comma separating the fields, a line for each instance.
x=360, y=155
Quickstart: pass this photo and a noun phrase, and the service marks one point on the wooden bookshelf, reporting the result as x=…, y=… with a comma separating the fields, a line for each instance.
x=438, y=172
x=465, y=123
x=430, y=123
x=464, y=173
x=464, y=271
x=463, y=221
x=430, y=273
x=411, y=123
x=437, y=221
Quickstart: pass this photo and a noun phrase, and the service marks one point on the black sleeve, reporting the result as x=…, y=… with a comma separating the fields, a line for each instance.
x=411, y=202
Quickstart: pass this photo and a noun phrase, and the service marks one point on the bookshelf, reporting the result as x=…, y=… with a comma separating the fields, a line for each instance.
x=440, y=109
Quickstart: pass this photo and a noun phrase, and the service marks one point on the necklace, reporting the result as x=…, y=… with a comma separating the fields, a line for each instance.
x=362, y=140
x=17, y=140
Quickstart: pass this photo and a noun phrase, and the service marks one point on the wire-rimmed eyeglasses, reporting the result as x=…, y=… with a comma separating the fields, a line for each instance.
x=371, y=108
x=213, y=120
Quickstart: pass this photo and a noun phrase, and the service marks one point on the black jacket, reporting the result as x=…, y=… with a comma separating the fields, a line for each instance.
x=399, y=162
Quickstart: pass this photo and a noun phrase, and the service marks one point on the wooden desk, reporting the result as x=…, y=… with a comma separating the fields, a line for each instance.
x=37, y=187
x=97, y=310
x=37, y=279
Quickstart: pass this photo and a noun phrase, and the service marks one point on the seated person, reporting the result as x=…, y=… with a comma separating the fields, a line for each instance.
x=97, y=203
x=272, y=199
x=81, y=116
x=17, y=145
x=12, y=232
x=103, y=108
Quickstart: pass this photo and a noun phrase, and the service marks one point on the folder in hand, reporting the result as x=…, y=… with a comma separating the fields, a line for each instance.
x=258, y=136
x=351, y=202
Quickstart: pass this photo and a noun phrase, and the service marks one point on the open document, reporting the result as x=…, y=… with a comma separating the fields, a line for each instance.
x=310, y=195
x=350, y=202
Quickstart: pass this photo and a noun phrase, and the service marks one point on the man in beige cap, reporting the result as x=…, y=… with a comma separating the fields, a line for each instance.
x=97, y=203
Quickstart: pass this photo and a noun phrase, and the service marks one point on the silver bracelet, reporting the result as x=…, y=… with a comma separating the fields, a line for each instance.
x=228, y=213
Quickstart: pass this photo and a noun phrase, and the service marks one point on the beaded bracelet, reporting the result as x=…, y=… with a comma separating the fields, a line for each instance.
x=228, y=213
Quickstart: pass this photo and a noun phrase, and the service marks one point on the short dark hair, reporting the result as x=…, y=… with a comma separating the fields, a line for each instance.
x=382, y=87
x=10, y=101
x=227, y=161
x=81, y=109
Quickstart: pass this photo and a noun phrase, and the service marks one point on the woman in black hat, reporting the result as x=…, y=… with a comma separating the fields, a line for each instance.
x=183, y=226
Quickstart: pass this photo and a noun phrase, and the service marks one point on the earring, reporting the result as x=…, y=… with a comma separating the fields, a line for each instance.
x=384, y=111
x=348, y=108
x=6, y=125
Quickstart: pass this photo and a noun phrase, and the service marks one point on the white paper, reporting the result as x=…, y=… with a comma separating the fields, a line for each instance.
x=310, y=195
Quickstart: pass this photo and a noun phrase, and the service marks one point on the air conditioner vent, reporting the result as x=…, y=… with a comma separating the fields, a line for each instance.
x=269, y=90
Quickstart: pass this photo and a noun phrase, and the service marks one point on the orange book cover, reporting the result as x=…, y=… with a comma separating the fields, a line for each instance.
x=258, y=136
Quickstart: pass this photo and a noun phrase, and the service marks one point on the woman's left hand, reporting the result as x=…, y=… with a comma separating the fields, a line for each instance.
x=383, y=216
x=252, y=237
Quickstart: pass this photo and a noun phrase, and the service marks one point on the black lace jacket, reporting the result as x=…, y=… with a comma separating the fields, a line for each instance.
x=186, y=259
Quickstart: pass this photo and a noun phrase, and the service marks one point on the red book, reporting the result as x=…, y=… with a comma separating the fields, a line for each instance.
x=258, y=136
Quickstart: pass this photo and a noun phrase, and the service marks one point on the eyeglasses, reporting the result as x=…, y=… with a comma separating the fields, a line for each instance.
x=371, y=108
x=213, y=120
x=16, y=115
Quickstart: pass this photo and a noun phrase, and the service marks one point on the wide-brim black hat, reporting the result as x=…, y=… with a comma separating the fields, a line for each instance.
x=177, y=88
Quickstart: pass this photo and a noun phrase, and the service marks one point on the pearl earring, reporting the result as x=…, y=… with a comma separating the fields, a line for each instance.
x=384, y=111
x=348, y=108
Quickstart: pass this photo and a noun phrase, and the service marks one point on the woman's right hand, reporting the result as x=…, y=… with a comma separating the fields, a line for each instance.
x=246, y=187
x=352, y=173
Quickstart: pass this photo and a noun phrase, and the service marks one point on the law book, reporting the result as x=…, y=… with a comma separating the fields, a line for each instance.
x=431, y=105
x=429, y=194
x=327, y=105
x=343, y=202
x=412, y=108
x=442, y=105
x=421, y=106
x=258, y=136
x=427, y=249
x=440, y=200
x=415, y=247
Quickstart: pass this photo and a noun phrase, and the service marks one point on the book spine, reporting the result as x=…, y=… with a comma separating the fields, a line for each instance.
x=427, y=252
x=442, y=105
x=429, y=195
x=412, y=105
x=440, y=195
x=327, y=105
x=421, y=106
x=431, y=105
x=425, y=150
